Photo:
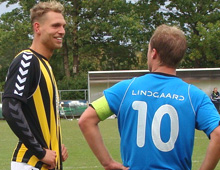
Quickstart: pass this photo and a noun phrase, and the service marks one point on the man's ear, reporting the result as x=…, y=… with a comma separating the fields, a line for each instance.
x=154, y=53
x=36, y=26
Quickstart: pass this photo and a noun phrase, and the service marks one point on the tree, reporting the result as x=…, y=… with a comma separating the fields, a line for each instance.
x=15, y=34
x=100, y=35
x=200, y=20
x=112, y=32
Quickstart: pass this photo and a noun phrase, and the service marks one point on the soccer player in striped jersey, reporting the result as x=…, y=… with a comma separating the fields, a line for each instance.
x=30, y=100
x=157, y=113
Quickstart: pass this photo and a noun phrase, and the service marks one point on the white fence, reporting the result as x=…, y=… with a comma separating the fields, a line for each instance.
x=204, y=78
x=61, y=92
x=85, y=91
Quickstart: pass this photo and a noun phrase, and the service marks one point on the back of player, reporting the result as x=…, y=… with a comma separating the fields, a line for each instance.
x=157, y=113
x=157, y=116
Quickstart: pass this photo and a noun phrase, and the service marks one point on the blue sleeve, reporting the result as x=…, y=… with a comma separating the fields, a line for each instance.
x=207, y=117
x=115, y=94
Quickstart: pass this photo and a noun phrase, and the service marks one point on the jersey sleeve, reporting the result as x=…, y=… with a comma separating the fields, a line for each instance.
x=13, y=114
x=115, y=94
x=207, y=117
x=22, y=77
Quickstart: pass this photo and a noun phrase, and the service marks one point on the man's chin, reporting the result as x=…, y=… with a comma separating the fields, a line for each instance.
x=58, y=46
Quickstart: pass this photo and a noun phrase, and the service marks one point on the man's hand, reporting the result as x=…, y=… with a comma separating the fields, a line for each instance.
x=50, y=158
x=64, y=153
x=113, y=165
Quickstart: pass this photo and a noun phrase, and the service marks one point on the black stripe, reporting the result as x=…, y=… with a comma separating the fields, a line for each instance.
x=27, y=156
x=34, y=126
x=61, y=162
x=39, y=165
x=16, y=151
x=46, y=98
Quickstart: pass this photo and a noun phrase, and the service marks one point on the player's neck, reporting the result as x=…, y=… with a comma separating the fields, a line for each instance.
x=41, y=49
x=165, y=69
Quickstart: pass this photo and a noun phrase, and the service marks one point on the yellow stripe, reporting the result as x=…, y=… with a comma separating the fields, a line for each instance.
x=29, y=51
x=54, y=123
x=59, y=137
x=58, y=130
x=38, y=101
x=21, y=153
x=33, y=160
x=44, y=167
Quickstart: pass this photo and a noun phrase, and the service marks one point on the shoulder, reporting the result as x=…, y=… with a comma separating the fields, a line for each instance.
x=194, y=88
x=26, y=55
x=24, y=59
x=123, y=84
x=24, y=64
x=196, y=92
x=198, y=95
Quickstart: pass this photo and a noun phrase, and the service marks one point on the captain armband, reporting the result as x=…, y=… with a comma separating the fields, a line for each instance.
x=102, y=108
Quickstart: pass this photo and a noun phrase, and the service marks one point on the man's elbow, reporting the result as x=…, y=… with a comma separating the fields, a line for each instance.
x=88, y=119
x=81, y=123
x=5, y=109
x=84, y=121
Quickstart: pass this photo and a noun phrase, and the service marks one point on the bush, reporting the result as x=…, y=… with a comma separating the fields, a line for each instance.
x=77, y=82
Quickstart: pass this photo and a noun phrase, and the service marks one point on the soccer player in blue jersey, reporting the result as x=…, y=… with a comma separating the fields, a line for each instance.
x=157, y=113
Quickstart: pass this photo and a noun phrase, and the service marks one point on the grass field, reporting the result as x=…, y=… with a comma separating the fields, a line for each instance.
x=80, y=156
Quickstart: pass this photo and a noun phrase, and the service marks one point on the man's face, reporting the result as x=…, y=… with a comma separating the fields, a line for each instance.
x=52, y=30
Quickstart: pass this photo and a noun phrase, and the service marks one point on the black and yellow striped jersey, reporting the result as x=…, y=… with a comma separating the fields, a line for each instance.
x=30, y=80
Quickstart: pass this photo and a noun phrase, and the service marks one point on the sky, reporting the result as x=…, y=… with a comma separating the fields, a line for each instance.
x=4, y=9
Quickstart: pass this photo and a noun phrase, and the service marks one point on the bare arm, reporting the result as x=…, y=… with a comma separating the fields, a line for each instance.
x=213, y=152
x=89, y=126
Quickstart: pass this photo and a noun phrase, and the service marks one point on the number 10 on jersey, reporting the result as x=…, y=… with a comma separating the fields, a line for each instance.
x=141, y=108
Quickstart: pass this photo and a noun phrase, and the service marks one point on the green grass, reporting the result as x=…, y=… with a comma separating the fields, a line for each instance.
x=80, y=156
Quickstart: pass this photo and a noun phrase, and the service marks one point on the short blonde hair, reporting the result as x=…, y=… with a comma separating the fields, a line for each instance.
x=40, y=9
x=170, y=44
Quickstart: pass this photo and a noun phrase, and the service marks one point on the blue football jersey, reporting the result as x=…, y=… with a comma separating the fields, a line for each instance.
x=157, y=117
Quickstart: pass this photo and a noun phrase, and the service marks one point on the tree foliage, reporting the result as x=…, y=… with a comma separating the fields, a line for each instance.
x=113, y=35
x=200, y=20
